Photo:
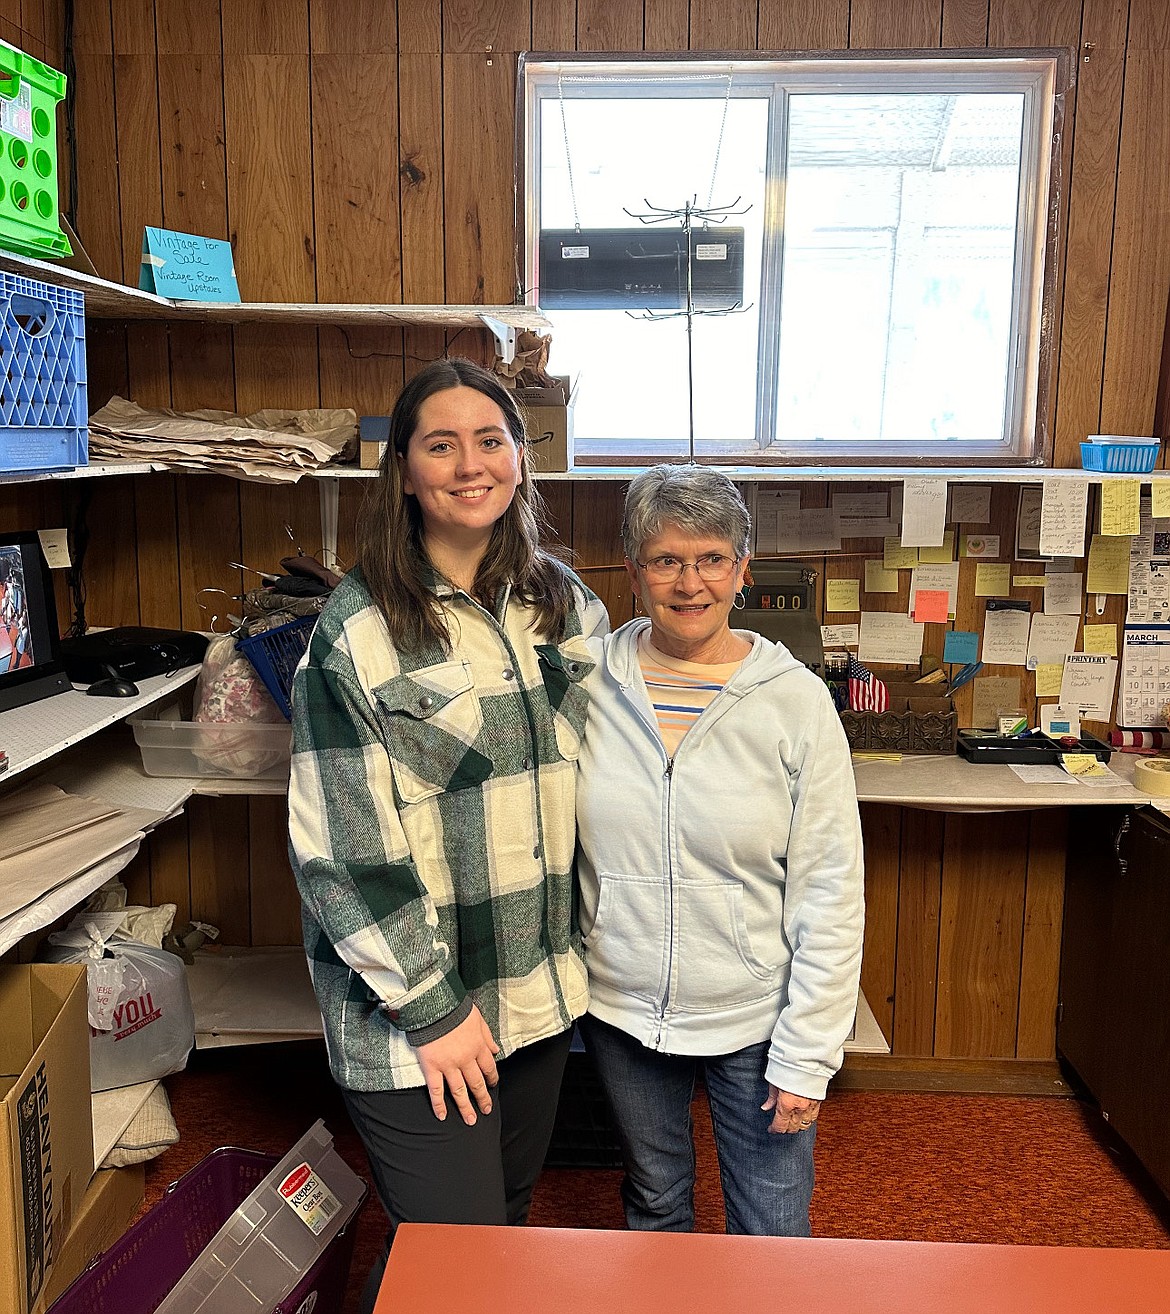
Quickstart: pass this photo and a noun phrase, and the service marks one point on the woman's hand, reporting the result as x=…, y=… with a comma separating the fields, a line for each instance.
x=794, y=1113
x=463, y=1060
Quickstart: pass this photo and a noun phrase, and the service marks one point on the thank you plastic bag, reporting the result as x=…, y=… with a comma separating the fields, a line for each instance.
x=142, y=1025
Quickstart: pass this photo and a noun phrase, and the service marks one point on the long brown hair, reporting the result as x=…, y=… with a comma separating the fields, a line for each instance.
x=391, y=548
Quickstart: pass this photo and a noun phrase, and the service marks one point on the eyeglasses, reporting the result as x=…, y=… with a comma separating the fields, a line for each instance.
x=711, y=568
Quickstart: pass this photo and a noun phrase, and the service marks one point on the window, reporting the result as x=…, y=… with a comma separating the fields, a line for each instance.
x=867, y=265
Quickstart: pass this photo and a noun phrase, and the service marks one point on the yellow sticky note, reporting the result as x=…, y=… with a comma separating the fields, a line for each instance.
x=897, y=557
x=1048, y=676
x=1101, y=638
x=1120, y=502
x=993, y=579
x=842, y=595
x=1108, y=569
x=1029, y=581
x=1160, y=497
x=939, y=555
x=1082, y=764
x=878, y=579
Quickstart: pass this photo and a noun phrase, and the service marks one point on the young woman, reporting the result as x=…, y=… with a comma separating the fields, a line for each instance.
x=437, y=719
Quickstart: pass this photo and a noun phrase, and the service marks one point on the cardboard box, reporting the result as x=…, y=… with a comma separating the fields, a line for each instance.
x=110, y=1205
x=373, y=434
x=46, y=1124
x=549, y=412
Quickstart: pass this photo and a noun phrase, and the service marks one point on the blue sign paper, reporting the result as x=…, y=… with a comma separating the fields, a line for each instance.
x=187, y=267
x=961, y=647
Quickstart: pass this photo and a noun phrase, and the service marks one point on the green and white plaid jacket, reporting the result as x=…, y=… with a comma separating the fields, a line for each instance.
x=431, y=828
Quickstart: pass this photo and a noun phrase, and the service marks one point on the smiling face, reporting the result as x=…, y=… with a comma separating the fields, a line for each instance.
x=688, y=616
x=463, y=467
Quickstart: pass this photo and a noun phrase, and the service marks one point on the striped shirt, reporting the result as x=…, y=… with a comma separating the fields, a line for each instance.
x=679, y=691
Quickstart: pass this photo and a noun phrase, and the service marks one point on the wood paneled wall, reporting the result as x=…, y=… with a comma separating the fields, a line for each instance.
x=355, y=150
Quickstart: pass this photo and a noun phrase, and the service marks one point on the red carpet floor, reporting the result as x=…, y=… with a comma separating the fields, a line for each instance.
x=889, y=1166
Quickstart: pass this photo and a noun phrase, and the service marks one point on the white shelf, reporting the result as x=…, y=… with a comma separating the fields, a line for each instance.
x=38, y=731
x=252, y=996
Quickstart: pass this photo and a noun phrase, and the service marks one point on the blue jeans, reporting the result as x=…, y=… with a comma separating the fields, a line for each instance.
x=767, y=1179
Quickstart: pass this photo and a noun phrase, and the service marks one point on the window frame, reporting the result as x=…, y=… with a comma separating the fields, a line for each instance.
x=1041, y=75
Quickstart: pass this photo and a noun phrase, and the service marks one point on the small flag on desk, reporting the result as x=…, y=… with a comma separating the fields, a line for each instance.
x=866, y=692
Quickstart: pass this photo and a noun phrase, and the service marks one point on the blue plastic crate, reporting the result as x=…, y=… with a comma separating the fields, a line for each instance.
x=43, y=415
x=1121, y=455
x=275, y=654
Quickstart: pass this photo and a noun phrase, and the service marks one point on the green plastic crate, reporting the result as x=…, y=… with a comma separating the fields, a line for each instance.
x=29, y=92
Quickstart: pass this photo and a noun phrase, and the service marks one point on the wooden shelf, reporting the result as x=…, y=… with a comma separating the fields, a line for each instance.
x=106, y=300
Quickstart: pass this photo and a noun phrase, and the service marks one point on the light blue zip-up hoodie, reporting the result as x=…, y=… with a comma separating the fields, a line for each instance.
x=721, y=893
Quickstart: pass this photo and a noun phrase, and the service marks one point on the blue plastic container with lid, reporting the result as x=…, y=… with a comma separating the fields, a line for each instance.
x=1118, y=455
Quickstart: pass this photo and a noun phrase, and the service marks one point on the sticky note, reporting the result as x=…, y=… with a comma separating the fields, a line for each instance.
x=1048, y=675
x=1108, y=567
x=1160, y=498
x=1120, y=506
x=993, y=580
x=1101, y=638
x=878, y=579
x=931, y=605
x=55, y=546
x=1028, y=582
x=842, y=595
x=1082, y=764
x=961, y=646
x=941, y=554
x=897, y=557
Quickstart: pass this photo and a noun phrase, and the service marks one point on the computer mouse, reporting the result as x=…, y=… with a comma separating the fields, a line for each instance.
x=113, y=686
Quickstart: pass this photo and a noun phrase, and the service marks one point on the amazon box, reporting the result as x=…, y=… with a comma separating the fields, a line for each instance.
x=549, y=412
x=46, y=1125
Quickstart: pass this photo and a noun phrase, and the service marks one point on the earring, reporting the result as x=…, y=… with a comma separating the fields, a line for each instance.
x=739, y=602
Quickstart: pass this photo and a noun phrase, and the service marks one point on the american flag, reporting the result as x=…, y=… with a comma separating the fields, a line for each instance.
x=866, y=692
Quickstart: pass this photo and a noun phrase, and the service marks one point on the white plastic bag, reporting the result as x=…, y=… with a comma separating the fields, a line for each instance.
x=145, y=1031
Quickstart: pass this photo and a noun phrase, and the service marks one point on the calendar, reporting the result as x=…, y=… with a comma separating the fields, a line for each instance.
x=1145, y=677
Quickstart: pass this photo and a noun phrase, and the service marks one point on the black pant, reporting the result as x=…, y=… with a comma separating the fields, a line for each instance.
x=427, y=1171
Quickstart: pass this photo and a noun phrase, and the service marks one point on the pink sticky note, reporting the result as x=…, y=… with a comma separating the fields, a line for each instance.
x=931, y=605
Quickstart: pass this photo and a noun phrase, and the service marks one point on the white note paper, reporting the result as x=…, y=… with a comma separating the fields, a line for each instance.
x=1087, y=684
x=1062, y=517
x=838, y=636
x=1063, y=594
x=775, y=510
x=889, y=636
x=938, y=578
x=1051, y=639
x=1005, y=638
x=924, y=512
x=971, y=504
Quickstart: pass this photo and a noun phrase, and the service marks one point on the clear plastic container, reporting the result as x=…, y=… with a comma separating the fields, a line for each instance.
x=252, y=750
x=275, y=1236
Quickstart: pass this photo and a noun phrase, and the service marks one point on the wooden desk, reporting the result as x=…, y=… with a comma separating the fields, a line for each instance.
x=534, y=1270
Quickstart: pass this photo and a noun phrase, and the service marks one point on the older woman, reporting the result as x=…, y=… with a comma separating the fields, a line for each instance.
x=721, y=875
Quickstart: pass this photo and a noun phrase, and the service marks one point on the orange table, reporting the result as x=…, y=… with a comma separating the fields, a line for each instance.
x=537, y=1270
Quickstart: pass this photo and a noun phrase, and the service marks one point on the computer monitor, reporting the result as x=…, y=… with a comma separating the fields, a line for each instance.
x=30, y=659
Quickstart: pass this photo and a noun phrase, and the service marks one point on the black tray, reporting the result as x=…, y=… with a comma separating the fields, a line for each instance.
x=983, y=746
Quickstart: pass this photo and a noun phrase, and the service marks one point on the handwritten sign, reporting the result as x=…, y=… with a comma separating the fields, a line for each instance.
x=187, y=267
x=1062, y=518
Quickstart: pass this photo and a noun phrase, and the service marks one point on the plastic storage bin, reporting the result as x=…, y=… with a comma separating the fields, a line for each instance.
x=43, y=417
x=583, y=1135
x=169, y=1244
x=29, y=92
x=1120, y=455
x=251, y=750
x=275, y=654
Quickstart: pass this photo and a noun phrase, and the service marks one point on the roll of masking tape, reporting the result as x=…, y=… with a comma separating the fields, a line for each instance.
x=1152, y=776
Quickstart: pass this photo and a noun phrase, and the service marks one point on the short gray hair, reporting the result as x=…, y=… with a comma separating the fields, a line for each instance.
x=696, y=498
